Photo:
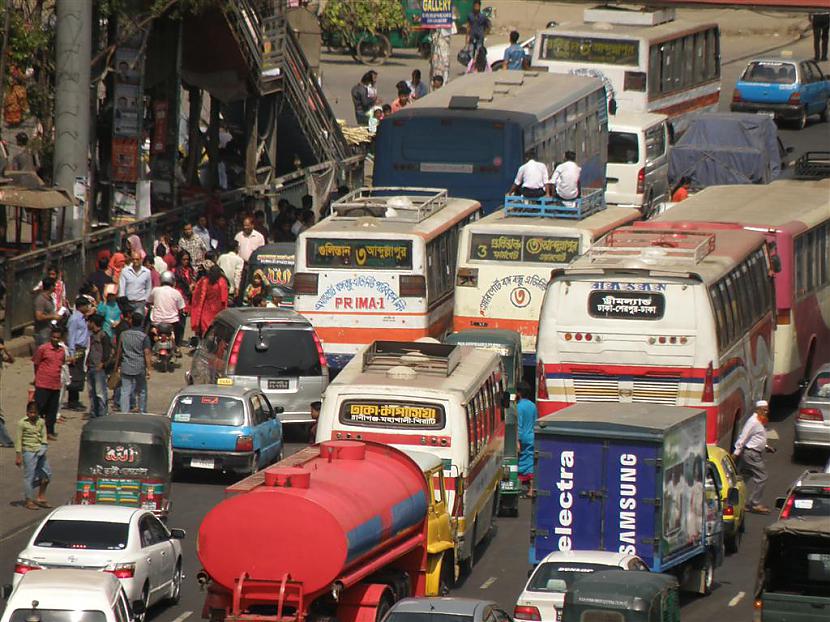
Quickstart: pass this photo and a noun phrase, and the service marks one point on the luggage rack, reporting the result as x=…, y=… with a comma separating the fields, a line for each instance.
x=403, y=204
x=654, y=246
x=438, y=359
x=813, y=165
x=549, y=207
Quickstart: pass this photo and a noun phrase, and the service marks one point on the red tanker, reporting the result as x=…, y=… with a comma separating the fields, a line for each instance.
x=339, y=529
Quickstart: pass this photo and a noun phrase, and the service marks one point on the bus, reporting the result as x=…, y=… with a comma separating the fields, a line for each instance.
x=648, y=61
x=666, y=316
x=505, y=259
x=470, y=136
x=384, y=261
x=446, y=400
x=802, y=241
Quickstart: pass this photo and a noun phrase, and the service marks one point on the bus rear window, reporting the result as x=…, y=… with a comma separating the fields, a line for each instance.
x=623, y=148
x=526, y=248
x=392, y=414
x=374, y=254
x=624, y=305
x=477, y=144
x=591, y=50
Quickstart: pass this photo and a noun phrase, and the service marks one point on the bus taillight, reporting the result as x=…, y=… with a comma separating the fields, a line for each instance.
x=541, y=381
x=305, y=283
x=412, y=286
x=641, y=181
x=709, y=385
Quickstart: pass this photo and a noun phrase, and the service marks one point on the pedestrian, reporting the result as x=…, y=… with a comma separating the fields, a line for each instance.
x=364, y=97
x=100, y=351
x=527, y=415
x=749, y=452
x=416, y=86
x=109, y=309
x=260, y=224
x=77, y=342
x=185, y=276
x=532, y=178
x=135, y=284
x=167, y=306
x=151, y=266
x=514, y=55
x=232, y=264
x=478, y=63
x=255, y=288
x=314, y=411
x=133, y=359
x=249, y=239
x=820, y=21
x=194, y=245
x=681, y=191
x=374, y=119
x=565, y=178
x=437, y=82
x=25, y=159
x=59, y=291
x=102, y=276
x=45, y=311
x=48, y=362
x=31, y=443
x=134, y=245
x=202, y=230
x=478, y=27
x=402, y=100
x=116, y=265
x=5, y=357
x=158, y=260
x=210, y=296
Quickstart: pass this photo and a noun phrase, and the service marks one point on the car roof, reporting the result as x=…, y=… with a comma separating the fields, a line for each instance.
x=217, y=390
x=609, y=558
x=94, y=513
x=249, y=315
x=442, y=605
x=812, y=478
x=65, y=588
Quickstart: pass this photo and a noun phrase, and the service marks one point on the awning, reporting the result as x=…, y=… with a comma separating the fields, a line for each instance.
x=36, y=198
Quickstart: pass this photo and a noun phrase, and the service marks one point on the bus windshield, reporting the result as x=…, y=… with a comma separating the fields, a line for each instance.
x=582, y=49
x=354, y=253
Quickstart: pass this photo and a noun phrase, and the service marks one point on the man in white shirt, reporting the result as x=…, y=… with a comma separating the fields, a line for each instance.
x=231, y=264
x=531, y=178
x=750, y=448
x=201, y=229
x=249, y=239
x=565, y=178
x=167, y=304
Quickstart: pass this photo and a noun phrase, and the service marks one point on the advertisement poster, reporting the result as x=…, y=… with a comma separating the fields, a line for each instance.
x=125, y=159
x=436, y=14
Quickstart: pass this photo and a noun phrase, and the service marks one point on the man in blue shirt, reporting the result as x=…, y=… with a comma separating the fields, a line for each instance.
x=478, y=26
x=77, y=342
x=135, y=284
x=527, y=415
x=514, y=55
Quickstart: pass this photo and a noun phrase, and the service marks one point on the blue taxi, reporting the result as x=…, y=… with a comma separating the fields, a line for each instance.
x=218, y=428
x=791, y=90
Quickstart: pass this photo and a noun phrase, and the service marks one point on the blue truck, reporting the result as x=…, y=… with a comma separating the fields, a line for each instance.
x=631, y=478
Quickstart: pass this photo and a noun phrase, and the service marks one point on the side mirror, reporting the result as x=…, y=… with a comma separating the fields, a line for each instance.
x=733, y=496
x=178, y=534
x=278, y=410
x=779, y=502
x=138, y=609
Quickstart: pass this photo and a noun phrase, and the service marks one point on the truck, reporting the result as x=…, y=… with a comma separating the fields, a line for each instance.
x=630, y=478
x=340, y=530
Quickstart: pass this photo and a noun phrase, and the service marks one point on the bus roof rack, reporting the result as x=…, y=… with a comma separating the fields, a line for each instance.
x=549, y=207
x=439, y=359
x=813, y=165
x=402, y=204
x=654, y=246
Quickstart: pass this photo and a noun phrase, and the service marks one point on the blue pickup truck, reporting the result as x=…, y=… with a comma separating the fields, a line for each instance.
x=792, y=90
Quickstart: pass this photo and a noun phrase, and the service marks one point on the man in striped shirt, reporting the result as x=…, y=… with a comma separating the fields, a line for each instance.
x=134, y=359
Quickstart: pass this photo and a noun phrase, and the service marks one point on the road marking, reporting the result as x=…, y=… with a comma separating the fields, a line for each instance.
x=187, y=614
x=488, y=583
x=737, y=598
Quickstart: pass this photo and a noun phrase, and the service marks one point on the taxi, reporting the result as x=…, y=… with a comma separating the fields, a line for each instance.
x=733, y=514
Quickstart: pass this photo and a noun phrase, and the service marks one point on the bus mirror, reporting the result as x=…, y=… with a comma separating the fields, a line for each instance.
x=775, y=263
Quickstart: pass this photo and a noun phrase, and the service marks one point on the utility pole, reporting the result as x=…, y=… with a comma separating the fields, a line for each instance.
x=7, y=11
x=72, y=116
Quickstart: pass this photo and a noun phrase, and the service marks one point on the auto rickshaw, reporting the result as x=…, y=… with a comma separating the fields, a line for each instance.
x=623, y=596
x=508, y=344
x=126, y=459
x=276, y=264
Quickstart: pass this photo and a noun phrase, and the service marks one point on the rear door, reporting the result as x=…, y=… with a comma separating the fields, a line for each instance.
x=260, y=428
x=161, y=538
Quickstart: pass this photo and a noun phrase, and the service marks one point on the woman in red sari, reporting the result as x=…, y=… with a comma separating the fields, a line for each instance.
x=210, y=296
x=185, y=275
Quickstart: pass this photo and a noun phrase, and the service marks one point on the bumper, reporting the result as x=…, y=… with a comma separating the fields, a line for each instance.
x=812, y=435
x=222, y=460
x=780, y=111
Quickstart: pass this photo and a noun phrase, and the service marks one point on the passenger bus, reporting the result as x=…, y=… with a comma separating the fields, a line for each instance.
x=383, y=262
x=666, y=316
x=648, y=61
x=802, y=241
x=470, y=136
x=505, y=259
x=445, y=400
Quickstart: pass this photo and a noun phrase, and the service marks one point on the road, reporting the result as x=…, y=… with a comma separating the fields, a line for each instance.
x=502, y=569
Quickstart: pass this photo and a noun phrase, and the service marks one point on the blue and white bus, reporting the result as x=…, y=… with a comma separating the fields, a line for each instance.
x=470, y=136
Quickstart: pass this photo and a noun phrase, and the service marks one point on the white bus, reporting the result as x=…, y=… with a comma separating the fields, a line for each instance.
x=662, y=315
x=649, y=61
x=504, y=263
x=382, y=263
x=441, y=399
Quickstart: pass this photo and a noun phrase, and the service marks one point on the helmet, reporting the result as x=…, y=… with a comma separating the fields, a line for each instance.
x=167, y=278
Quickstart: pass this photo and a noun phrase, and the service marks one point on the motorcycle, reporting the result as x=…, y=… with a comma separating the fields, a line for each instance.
x=164, y=346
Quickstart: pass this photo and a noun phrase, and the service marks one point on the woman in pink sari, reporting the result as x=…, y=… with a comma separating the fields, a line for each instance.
x=135, y=246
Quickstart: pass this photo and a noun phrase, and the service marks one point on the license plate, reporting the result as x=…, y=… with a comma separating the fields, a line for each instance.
x=201, y=463
x=278, y=384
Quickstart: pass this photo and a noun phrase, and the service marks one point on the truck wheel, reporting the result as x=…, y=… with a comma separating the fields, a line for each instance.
x=467, y=564
x=383, y=607
x=707, y=574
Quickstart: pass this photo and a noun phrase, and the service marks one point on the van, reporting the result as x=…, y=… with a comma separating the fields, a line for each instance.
x=637, y=173
x=274, y=350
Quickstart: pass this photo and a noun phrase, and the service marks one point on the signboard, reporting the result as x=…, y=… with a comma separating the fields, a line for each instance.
x=341, y=253
x=590, y=50
x=391, y=414
x=613, y=305
x=527, y=248
x=436, y=14
x=125, y=159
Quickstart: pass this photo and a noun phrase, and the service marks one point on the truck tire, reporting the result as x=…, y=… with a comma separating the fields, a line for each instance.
x=707, y=572
x=383, y=607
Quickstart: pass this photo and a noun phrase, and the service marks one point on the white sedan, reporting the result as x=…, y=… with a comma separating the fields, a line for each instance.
x=544, y=595
x=130, y=543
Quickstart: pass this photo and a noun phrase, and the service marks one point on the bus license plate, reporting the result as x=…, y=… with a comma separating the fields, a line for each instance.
x=202, y=463
x=278, y=384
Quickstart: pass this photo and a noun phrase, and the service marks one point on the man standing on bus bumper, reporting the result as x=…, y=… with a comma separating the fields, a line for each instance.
x=750, y=448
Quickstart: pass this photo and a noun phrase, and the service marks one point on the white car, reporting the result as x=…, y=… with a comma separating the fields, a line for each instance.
x=87, y=595
x=130, y=543
x=544, y=595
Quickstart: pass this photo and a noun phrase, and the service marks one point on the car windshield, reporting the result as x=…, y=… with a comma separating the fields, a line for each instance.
x=81, y=534
x=57, y=615
x=286, y=352
x=557, y=576
x=433, y=616
x=821, y=386
x=209, y=410
x=810, y=503
x=769, y=72
x=623, y=148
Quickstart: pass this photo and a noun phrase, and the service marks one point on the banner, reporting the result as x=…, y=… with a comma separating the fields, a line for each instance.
x=436, y=14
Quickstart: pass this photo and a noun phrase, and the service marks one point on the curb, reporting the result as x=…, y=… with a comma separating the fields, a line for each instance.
x=778, y=46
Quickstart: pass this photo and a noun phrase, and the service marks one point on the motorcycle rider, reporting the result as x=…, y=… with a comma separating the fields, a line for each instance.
x=167, y=305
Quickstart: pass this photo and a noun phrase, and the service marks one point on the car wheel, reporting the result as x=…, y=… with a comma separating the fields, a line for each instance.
x=145, y=598
x=824, y=115
x=254, y=464
x=176, y=588
x=801, y=122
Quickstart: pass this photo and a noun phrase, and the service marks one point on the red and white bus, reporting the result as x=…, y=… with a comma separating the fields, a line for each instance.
x=802, y=240
x=666, y=316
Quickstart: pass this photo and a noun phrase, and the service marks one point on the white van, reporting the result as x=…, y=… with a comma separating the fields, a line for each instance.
x=637, y=173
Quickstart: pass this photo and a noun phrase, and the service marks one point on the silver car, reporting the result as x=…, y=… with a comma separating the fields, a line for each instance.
x=446, y=609
x=812, y=423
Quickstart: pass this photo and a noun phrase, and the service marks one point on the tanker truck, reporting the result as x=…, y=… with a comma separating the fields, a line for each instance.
x=340, y=530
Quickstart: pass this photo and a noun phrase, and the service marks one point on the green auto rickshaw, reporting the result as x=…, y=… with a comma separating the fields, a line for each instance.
x=622, y=596
x=508, y=344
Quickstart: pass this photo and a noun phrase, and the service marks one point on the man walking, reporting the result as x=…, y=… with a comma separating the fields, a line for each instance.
x=514, y=55
x=135, y=284
x=478, y=26
x=100, y=350
x=45, y=311
x=820, y=21
x=31, y=444
x=48, y=361
x=133, y=359
x=77, y=342
x=527, y=415
x=194, y=245
x=231, y=264
x=750, y=448
x=249, y=239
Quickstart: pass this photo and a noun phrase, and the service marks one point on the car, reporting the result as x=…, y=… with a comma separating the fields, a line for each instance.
x=789, y=89
x=808, y=496
x=130, y=543
x=224, y=429
x=734, y=514
x=543, y=596
x=89, y=596
x=275, y=350
x=445, y=608
x=812, y=423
